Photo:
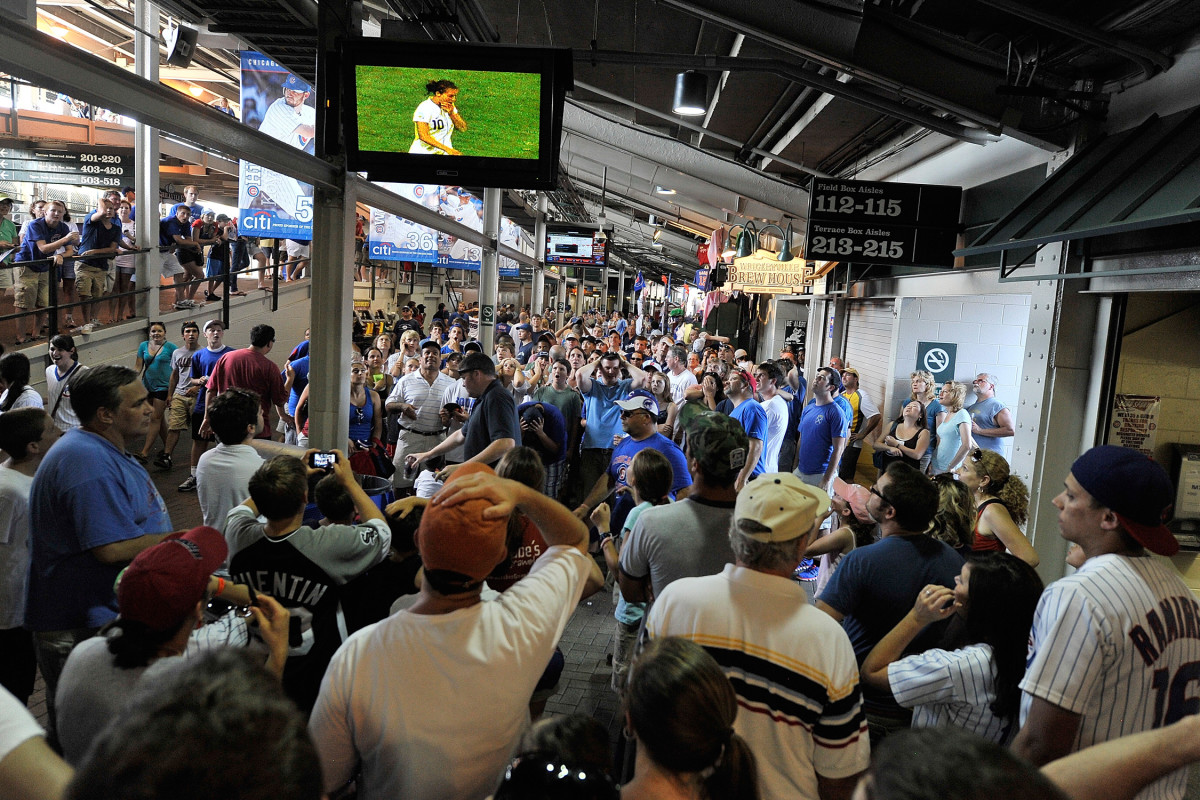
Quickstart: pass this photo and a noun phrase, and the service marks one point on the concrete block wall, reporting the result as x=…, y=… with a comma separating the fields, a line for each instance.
x=988, y=329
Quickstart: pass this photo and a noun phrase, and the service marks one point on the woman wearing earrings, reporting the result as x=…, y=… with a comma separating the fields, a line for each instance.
x=1001, y=505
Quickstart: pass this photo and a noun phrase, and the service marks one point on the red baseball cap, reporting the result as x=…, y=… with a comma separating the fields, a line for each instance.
x=163, y=583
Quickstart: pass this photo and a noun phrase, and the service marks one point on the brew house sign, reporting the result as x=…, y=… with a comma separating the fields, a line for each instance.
x=763, y=273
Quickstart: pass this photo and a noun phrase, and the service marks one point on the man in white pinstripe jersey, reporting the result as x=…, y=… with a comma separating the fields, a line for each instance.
x=1115, y=648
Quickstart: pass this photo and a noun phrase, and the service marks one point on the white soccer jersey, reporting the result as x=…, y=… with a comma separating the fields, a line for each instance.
x=441, y=127
x=281, y=120
x=1118, y=642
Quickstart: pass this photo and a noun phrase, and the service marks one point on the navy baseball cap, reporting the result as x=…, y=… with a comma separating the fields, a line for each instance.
x=294, y=84
x=522, y=326
x=1133, y=487
x=639, y=398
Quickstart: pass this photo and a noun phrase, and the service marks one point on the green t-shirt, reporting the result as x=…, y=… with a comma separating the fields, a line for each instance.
x=568, y=401
x=8, y=233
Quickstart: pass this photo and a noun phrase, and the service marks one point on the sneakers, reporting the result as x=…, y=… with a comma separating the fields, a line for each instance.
x=90, y=327
x=807, y=571
x=163, y=461
x=189, y=485
x=211, y=297
x=184, y=304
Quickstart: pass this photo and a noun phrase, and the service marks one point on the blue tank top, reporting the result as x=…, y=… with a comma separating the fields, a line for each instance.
x=361, y=420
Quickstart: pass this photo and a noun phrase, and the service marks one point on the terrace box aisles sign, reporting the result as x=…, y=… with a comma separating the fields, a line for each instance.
x=882, y=223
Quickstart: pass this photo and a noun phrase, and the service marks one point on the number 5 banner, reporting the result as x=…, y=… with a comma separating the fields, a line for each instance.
x=281, y=105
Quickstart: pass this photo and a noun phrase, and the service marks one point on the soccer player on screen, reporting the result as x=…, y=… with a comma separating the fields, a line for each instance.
x=436, y=119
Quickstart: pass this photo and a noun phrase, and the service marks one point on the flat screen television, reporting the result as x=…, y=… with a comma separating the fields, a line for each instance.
x=576, y=245
x=457, y=114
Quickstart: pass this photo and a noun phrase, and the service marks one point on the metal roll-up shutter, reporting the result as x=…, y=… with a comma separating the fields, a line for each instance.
x=870, y=337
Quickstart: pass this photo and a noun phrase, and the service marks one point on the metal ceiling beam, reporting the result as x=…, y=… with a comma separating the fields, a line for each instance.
x=51, y=64
x=677, y=120
x=849, y=92
x=734, y=50
x=882, y=49
x=684, y=158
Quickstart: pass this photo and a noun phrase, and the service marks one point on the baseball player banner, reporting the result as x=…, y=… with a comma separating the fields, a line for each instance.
x=510, y=234
x=394, y=238
x=280, y=105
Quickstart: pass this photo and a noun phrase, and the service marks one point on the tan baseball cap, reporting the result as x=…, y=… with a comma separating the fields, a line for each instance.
x=783, y=503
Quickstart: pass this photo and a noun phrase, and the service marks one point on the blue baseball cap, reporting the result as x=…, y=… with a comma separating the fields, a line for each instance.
x=1133, y=487
x=639, y=398
x=294, y=84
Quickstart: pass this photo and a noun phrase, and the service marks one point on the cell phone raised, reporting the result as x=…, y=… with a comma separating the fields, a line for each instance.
x=322, y=460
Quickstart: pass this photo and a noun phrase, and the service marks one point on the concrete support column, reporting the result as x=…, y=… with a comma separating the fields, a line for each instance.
x=145, y=157
x=489, y=271
x=621, y=291
x=561, y=306
x=1059, y=402
x=537, y=300
x=604, y=291
x=332, y=310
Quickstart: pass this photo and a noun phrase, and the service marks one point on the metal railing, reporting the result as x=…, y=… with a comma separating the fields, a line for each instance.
x=54, y=308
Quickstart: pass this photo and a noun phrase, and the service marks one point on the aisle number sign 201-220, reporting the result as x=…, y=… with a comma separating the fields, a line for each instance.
x=882, y=223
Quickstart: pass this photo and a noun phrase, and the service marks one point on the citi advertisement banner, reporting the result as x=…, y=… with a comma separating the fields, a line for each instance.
x=393, y=238
x=280, y=105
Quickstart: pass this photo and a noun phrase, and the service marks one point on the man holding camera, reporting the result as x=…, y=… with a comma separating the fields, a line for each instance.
x=304, y=569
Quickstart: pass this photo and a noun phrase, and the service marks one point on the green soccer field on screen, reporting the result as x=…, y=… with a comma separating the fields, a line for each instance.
x=501, y=109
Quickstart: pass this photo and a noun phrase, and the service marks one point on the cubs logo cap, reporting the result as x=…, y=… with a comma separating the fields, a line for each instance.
x=294, y=84
x=1135, y=488
x=639, y=398
x=782, y=503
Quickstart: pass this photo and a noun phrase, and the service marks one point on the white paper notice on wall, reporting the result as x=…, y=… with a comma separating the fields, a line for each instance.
x=1187, y=500
x=1134, y=422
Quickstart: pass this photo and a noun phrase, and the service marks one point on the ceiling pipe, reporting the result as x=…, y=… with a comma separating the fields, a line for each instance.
x=1150, y=61
x=847, y=91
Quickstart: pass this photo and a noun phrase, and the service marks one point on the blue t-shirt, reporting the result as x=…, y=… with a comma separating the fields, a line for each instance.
x=984, y=414
x=300, y=368
x=874, y=587
x=622, y=457
x=603, y=414
x=202, y=366
x=196, y=209
x=753, y=418
x=86, y=494
x=40, y=230
x=819, y=426
x=96, y=237
x=170, y=227
x=554, y=425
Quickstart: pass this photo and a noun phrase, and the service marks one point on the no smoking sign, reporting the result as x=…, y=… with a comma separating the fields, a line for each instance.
x=938, y=358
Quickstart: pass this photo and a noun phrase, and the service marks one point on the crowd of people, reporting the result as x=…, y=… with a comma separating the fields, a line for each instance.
x=93, y=257
x=400, y=641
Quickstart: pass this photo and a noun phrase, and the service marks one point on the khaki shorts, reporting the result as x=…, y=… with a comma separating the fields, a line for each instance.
x=171, y=266
x=91, y=281
x=35, y=289
x=179, y=412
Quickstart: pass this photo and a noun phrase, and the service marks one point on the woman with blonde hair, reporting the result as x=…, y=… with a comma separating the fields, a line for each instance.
x=1001, y=505
x=660, y=387
x=922, y=392
x=954, y=433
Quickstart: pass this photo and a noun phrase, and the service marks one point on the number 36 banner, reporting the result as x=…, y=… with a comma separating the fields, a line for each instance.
x=393, y=238
x=280, y=105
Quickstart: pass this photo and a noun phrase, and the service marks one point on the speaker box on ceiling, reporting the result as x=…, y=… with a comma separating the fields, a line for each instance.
x=181, y=45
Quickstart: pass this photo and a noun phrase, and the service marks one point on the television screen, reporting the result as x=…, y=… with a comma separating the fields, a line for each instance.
x=575, y=245
x=446, y=113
